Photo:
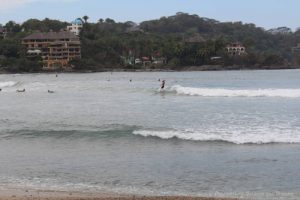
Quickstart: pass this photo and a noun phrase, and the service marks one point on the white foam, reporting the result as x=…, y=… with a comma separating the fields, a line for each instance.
x=237, y=137
x=7, y=84
x=221, y=92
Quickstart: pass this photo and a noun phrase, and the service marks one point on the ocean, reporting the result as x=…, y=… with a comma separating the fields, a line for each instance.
x=216, y=134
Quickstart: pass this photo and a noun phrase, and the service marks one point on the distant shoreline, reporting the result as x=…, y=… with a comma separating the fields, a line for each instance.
x=171, y=69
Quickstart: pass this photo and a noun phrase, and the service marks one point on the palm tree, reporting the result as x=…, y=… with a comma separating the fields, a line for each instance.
x=101, y=21
x=85, y=18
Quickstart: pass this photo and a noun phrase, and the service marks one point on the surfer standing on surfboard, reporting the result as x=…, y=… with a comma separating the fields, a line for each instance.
x=163, y=84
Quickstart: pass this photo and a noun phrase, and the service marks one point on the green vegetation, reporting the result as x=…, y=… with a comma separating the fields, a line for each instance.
x=183, y=40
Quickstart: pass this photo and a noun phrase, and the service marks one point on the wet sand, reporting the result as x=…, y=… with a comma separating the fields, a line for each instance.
x=16, y=194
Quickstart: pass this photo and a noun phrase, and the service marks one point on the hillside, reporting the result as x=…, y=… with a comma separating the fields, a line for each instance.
x=182, y=40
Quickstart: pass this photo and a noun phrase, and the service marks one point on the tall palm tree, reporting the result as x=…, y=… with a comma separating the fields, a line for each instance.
x=85, y=18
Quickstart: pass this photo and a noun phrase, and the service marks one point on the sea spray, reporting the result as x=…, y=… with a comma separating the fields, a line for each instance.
x=222, y=92
x=236, y=137
x=7, y=84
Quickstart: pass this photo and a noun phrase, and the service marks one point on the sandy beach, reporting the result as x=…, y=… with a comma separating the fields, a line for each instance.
x=54, y=195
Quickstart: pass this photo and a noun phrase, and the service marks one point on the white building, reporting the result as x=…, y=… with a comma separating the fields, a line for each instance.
x=236, y=49
x=76, y=26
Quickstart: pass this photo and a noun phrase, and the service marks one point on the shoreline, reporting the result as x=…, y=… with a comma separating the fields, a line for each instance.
x=24, y=194
x=204, y=68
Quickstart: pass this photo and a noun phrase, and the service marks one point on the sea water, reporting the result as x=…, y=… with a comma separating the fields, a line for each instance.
x=231, y=133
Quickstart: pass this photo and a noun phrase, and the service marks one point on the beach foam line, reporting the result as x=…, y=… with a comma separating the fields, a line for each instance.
x=235, y=137
x=7, y=84
x=222, y=92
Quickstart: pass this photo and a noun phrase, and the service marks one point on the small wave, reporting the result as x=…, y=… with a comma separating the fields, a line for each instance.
x=221, y=92
x=7, y=84
x=235, y=137
x=105, y=131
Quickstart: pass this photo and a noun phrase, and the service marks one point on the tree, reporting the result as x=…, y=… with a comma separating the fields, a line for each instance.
x=43, y=26
x=105, y=42
x=85, y=18
x=13, y=27
x=101, y=21
x=109, y=21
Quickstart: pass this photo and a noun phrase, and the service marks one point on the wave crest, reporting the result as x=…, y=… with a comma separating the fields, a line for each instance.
x=236, y=137
x=221, y=92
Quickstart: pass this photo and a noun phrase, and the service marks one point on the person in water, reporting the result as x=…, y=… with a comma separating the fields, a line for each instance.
x=21, y=90
x=163, y=84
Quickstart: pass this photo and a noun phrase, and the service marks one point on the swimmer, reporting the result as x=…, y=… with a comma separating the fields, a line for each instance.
x=21, y=90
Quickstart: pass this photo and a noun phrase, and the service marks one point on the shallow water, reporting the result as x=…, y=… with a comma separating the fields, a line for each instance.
x=234, y=134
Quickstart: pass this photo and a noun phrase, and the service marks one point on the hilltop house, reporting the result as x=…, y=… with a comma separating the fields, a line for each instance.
x=55, y=48
x=280, y=30
x=76, y=26
x=236, y=49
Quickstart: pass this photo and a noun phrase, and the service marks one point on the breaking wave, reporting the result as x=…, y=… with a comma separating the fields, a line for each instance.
x=257, y=136
x=221, y=92
x=236, y=137
x=7, y=84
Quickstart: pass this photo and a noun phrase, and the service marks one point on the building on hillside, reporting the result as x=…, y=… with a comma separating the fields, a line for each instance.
x=236, y=49
x=56, y=49
x=296, y=54
x=76, y=26
x=146, y=60
x=128, y=60
x=138, y=61
x=280, y=31
x=296, y=49
x=159, y=60
x=2, y=32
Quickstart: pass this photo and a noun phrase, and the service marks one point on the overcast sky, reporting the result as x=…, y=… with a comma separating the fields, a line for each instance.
x=263, y=13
